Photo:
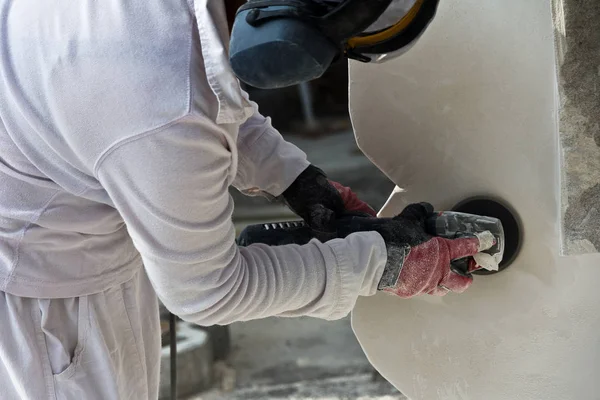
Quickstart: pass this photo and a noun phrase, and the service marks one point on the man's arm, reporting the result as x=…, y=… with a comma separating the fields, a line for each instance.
x=171, y=187
x=267, y=163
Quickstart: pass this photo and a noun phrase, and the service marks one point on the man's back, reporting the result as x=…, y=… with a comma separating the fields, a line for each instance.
x=75, y=80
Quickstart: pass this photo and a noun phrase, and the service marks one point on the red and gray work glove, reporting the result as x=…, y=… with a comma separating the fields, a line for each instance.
x=319, y=201
x=419, y=263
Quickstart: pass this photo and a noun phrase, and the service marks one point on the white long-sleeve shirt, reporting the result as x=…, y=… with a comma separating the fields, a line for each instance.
x=121, y=129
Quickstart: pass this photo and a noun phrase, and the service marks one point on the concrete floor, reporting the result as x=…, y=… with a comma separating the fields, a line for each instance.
x=303, y=358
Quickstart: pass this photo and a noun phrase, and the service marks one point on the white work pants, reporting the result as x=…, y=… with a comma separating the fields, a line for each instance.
x=101, y=346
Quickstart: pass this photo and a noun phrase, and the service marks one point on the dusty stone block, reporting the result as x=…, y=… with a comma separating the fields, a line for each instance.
x=194, y=363
x=577, y=38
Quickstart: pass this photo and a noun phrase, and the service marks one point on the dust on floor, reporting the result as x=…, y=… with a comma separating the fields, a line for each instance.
x=303, y=359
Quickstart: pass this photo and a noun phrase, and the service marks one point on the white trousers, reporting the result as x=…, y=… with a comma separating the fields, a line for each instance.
x=100, y=346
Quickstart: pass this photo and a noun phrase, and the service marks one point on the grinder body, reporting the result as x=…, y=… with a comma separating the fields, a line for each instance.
x=447, y=224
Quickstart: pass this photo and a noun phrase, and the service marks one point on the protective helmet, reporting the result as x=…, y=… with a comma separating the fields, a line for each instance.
x=278, y=43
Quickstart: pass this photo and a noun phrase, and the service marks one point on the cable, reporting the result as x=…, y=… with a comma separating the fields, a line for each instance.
x=173, y=358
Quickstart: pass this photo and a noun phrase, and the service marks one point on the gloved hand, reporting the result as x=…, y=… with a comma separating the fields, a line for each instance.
x=319, y=201
x=419, y=263
x=351, y=201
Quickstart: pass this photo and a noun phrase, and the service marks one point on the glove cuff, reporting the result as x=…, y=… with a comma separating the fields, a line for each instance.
x=306, y=177
x=396, y=255
x=312, y=193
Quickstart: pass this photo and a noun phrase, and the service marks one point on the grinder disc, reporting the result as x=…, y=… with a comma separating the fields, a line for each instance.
x=490, y=207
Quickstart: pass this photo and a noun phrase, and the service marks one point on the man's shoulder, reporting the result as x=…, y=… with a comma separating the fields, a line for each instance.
x=98, y=74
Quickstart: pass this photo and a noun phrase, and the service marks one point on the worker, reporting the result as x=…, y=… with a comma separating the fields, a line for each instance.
x=122, y=126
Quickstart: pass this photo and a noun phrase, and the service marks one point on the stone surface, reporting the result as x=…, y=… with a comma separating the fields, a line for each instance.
x=194, y=362
x=472, y=110
x=577, y=33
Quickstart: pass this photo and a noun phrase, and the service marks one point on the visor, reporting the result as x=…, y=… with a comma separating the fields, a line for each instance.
x=279, y=43
x=394, y=33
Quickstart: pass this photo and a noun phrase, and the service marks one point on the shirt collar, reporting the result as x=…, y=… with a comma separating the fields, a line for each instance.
x=214, y=38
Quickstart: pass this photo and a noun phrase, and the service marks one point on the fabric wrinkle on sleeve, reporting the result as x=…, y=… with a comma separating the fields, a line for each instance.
x=171, y=188
x=267, y=162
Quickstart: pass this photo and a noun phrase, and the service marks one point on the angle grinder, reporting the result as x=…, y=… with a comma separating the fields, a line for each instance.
x=446, y=224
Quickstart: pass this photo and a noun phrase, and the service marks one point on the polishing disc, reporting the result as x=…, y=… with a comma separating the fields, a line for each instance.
x=491, y=207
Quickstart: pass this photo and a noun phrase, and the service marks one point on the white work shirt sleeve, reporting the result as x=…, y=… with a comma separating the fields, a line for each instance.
x=266, y=162
x=171, y=188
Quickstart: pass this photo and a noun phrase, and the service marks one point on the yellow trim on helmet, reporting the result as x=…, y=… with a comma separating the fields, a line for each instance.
x=368, y=40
